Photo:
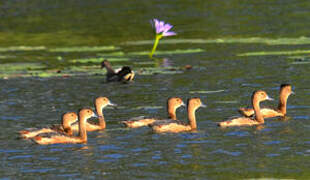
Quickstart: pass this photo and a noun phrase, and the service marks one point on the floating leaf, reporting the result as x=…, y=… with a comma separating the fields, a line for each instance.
x=6, y=57
x=97, y=60
x=84, y=49
x=117, y=53
x=177, y=51
x=22, y=48
x=272, y=53
x=20, y=66
x=252, y=40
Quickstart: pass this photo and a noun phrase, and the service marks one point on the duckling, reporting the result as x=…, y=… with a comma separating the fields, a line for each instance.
x=285, y=92
x=257, y=97
x=176, y=126
x=124, y=74
x=84, y=114
x=100, y=103
x=173, y=104
x=67, y=119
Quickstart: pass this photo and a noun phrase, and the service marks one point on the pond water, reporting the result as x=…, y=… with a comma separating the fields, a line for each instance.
x=50, y=54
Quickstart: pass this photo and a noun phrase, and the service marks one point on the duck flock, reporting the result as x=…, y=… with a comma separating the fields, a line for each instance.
x=73, y=123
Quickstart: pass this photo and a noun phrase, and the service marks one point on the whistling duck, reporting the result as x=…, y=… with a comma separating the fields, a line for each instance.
x=67, y=119
x=257, y=97
x=84, y=114
x=172, y=105
x=176, y=126
x=124, y=74
x=285, y=92
x=100, y=103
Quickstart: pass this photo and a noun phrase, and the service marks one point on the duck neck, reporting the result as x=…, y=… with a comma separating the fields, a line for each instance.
x=66, y=126
x=109, y=68
x=191, y=117
x=171, y=112
x=258, y=115
x=282, y=103
x=82, y=128
x=102, y=123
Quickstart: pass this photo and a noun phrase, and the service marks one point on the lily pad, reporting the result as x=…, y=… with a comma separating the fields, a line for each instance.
x=97, y=60
x=20, y=66
x=177, y=51
x=22, y=48
x=6, y=57
x=85, y=69
x=116, y=53
x=273, y=53
x=83, y=49
x=250, y=40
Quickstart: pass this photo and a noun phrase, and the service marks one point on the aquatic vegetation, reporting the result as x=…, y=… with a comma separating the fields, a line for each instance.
x=177, y=51
x=97, y=60
x=7, y=67
x=272, y=53
x=83, y=49
x=22, y=48
x=6, y=57
x=300, y=59
x=250, y=40
x=112, y=54
x=161, y=30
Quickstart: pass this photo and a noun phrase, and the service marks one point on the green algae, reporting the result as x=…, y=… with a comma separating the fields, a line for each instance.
x=22, y=48
x=83, y=49
x=6, y=57
x=98, y=60
x=251, y=40
x=112, y=54
x=177, y=51
x=274, y=53
x=7, y=67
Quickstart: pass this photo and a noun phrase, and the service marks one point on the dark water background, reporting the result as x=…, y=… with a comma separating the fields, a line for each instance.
x=222, y=79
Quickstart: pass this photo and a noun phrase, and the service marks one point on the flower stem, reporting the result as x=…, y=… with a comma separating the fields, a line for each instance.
x=157, y=38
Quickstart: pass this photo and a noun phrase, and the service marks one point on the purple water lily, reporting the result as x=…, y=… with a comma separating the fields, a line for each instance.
x=161, y=30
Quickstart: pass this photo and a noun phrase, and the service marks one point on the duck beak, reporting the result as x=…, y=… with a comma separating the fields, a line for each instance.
x=269, y=98
x=112, y=104
x=203, y=105
x=183, y=104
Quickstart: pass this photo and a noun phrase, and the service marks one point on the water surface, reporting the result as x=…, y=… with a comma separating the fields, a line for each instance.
x=222, y=78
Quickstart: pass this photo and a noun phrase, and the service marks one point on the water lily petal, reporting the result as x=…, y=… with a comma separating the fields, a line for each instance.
x=170, y=33
x=161, y=26
x=157, y=25
x=167, y=27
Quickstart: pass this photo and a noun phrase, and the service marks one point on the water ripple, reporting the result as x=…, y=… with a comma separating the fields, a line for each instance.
x=221, y=151
x=108, y=147
x=238, y=133
x=272, y=155
x=272, y=142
